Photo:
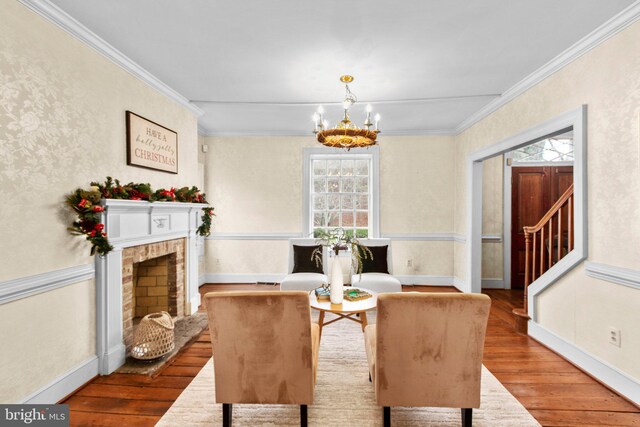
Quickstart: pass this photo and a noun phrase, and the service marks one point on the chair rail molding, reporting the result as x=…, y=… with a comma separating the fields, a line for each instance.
x=67, y=23
x=440, y=237
x=621, y=276
x=15, y=289
x=434, y=237
x=253, y=236
x=426, y=237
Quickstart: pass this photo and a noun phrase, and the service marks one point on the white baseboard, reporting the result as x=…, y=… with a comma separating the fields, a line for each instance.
x=113, y=359
x=65, y=384
x=202, y=280
x=242, y=278
x=195, y=303
x=618, y=381
x=493, y=284
x=408, y=279
x=460, y=284
x=424, y=279
x=405, y=279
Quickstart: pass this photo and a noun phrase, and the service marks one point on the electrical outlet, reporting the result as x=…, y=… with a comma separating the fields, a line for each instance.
x=217, y=261
x=205, y=148
x=409, y=263
x=614, y=336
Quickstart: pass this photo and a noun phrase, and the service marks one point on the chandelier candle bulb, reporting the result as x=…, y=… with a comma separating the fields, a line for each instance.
x=368, y=122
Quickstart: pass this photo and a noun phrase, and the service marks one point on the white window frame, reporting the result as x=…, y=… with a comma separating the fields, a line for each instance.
x=372, y=154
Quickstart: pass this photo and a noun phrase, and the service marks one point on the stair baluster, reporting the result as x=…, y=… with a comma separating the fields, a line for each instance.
x=532, y=252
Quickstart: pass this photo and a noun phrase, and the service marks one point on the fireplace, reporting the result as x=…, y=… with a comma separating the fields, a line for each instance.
x=152, y=281
x=140, y=232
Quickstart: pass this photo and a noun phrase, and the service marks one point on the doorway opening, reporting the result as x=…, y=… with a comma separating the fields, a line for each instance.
x=573, y=122
x=536, y=177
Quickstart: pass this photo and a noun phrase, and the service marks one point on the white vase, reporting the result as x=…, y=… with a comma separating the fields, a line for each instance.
x=337, y=283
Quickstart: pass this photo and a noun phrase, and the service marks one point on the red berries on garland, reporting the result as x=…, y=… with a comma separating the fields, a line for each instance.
x=86, y=205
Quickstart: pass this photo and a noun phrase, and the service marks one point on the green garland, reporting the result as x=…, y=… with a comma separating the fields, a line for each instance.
x=86, y=204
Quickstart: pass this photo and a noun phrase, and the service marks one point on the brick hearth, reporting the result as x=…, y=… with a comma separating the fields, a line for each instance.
x=173, y=251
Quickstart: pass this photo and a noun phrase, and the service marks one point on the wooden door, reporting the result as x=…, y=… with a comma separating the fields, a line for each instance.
x=534, y=189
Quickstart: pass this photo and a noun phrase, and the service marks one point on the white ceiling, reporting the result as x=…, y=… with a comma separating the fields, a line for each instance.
x=262, y=67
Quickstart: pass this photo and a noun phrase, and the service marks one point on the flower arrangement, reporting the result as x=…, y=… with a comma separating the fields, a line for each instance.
x=86, y=204
x=338, y=240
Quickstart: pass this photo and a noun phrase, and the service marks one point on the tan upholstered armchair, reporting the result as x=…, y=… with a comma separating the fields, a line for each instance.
x=426, y=350
x=265, y=349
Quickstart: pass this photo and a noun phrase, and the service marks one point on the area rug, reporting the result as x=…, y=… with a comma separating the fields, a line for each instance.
x=343, y=396
x=185, y=330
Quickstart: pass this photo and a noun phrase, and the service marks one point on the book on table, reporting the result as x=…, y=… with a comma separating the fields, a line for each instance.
x=355, y=294
x=323, y=294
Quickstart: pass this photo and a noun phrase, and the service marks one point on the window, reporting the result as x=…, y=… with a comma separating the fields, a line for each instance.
x=341, y=192
x=558, y=148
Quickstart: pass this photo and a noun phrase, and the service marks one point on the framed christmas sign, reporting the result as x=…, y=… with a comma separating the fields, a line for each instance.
x=150, y=145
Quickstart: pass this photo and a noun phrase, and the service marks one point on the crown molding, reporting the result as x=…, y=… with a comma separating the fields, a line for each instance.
x=203, y=131
x=616, y=24
x=426, y=132
x=206, y=132
x=420, y=132
x=613, y=26
x=67, y=23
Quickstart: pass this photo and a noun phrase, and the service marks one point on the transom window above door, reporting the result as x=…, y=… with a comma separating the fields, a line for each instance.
x=558, y=148
x=341, y=192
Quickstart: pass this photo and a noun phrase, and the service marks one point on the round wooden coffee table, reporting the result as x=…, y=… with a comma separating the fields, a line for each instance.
x=346, y=310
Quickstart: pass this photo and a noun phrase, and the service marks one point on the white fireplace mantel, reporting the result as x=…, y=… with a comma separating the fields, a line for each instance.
x=132, y=223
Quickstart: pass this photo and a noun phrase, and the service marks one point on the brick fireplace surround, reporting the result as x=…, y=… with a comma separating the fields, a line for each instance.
x=175, y=250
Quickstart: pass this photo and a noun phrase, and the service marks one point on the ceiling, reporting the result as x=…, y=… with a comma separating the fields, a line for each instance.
x=258, y=67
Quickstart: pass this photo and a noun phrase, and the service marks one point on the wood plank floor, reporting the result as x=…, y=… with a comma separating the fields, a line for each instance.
x=553, y=390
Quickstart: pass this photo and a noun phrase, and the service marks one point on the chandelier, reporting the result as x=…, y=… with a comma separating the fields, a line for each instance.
x=346, y=134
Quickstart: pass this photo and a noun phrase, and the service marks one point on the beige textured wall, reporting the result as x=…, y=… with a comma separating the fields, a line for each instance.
x=256, y=186
x=44, y=336
x=62, y=125
x=417, y=185
x=492, y=218
x=578, y=308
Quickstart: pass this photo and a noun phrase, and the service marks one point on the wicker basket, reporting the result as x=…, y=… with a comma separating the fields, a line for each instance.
x=153, y=337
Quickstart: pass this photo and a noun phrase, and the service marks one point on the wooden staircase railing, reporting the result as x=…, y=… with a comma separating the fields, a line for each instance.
x=546, y=243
